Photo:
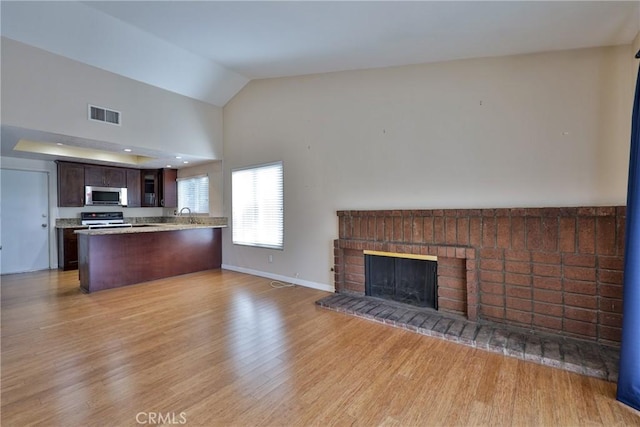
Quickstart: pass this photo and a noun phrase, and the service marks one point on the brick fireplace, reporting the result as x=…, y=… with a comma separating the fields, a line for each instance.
x=550, y=269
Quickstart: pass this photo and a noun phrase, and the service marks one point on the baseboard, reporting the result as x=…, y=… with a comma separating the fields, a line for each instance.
x=295, y=281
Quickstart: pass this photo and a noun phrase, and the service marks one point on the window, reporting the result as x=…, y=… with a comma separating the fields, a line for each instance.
x=257, y=206
x=193, y=193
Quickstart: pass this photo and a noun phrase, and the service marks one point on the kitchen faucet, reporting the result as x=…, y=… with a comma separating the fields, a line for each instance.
x=190, y=216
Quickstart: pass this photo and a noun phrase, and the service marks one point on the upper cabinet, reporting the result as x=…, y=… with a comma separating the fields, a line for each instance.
x=149, y=188
x=133, y=188
x=160, y=188
x=146, y=188
x=168, y=188
x=102, y=176
x=70, y=184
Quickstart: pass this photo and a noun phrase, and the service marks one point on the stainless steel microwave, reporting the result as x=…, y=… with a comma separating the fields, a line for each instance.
x=101, y=196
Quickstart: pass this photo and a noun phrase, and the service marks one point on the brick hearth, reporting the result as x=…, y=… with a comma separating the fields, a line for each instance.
x=575, y=355
x=550, y=269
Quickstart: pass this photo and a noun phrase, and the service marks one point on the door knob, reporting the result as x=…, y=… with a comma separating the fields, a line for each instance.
x=44, y=225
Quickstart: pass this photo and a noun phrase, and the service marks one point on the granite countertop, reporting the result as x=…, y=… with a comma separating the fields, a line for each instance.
x=145, y=228
x=145, y=223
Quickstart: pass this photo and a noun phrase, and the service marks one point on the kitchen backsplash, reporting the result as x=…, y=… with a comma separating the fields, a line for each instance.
x=71, y=222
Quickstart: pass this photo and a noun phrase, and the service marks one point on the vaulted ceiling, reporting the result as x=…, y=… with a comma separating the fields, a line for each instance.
x=209, y=50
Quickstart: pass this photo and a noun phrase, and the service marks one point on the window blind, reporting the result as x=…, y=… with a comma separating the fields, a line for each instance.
x=193, y=193
x=258, y=206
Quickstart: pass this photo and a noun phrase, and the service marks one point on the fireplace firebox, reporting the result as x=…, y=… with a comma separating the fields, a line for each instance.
x=409, y=280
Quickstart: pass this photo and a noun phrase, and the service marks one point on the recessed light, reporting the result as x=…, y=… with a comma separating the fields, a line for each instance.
x=185, y=162
x=128, y=150
x=168, y=166
x=178, y=157
x=59, y=143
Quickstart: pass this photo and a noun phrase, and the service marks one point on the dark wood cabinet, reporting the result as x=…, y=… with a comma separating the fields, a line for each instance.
x=103, y=176
x=149, y=180
x=112, y=260
x=68, y=248
x=146, y=188
x=160, y=188
x=168, y=187
x=134, y=193
x=70, y=184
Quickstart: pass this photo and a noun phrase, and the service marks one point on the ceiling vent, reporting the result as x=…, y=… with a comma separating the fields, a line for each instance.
x=104, y=115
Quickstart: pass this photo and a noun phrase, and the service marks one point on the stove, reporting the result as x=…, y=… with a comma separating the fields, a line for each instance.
x=96, y=220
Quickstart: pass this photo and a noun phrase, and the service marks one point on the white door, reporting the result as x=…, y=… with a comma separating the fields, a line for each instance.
x=24, y=221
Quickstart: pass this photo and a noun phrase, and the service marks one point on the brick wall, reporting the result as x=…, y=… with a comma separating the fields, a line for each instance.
x=555, y=269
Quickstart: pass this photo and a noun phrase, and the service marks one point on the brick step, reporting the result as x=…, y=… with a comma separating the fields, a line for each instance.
x=566, y=353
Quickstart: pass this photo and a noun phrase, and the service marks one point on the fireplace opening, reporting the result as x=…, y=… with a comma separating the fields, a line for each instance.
x=409, y=280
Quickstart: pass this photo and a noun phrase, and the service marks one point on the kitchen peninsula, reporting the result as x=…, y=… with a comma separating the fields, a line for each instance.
x=111, y=258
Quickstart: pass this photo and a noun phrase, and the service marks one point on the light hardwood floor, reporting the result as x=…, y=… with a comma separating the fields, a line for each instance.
x=223, y=348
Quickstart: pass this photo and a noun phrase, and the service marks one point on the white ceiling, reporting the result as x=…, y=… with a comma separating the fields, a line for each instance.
x=209, y=50
x=231, y=42
x=275, y=39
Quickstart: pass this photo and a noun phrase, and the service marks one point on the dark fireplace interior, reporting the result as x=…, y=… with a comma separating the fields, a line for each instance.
x=406, y=280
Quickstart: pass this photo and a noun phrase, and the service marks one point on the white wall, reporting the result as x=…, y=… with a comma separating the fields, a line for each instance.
x=47, y=92
x=547, y=129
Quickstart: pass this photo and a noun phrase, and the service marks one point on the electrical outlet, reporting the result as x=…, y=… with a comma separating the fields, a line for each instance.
x=270, y=259
x=297, y=275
